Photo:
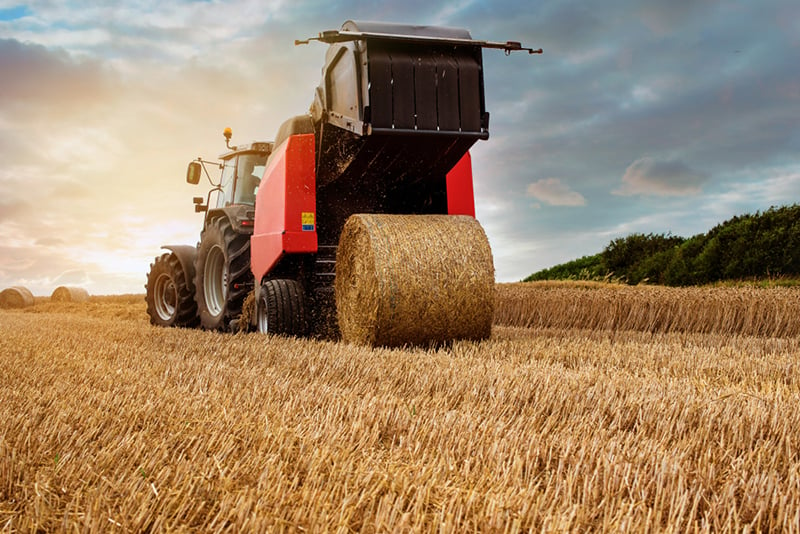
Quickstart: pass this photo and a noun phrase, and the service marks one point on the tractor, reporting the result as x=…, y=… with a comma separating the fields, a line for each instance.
x=388, y=132
x=206, y=285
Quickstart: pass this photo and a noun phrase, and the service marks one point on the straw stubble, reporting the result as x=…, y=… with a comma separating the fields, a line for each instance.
x=705, y=310
x=108, y=423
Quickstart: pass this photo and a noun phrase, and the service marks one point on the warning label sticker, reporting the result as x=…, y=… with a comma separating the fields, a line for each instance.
x=307, y=218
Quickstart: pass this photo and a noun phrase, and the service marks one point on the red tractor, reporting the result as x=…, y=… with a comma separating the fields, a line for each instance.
x=388, y=132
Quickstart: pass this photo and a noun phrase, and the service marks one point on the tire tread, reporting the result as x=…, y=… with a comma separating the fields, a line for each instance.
x=285, y=303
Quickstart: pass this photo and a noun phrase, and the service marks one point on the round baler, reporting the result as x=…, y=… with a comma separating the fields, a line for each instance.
x=360, y=219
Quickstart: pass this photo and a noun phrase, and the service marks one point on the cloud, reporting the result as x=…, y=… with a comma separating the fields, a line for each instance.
x=47, y=84
x=555, y=193
x=74, y=277
x=649, y=176
x=102, y=106
x=49, y=242
x=12, y=207
x=663, y=17
x=779, y=187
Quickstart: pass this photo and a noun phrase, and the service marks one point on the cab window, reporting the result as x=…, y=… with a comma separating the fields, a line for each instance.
x=249, y=171
x=225, y=198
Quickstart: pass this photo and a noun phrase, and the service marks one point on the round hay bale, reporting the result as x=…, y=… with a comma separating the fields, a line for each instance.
x=69, y=294
x=16, y=297
x=413, y=280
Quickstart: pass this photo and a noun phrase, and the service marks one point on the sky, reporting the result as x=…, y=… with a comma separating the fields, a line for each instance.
x=640, y=116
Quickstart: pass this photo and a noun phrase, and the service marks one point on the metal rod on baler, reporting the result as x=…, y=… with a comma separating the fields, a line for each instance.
x=337, y=36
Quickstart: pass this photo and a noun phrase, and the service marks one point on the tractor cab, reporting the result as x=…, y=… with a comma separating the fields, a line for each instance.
x=242, y=169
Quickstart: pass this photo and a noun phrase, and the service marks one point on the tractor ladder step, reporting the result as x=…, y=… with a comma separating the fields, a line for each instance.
x=325, y=267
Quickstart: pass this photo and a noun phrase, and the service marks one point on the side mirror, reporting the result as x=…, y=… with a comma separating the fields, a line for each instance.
x=193, y=173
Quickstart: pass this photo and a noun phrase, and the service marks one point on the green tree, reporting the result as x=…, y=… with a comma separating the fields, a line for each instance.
x=746, y=246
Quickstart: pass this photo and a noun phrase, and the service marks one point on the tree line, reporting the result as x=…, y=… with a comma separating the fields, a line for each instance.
x=753, y=246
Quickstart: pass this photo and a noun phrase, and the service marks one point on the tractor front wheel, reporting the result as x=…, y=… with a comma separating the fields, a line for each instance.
x=281, y=308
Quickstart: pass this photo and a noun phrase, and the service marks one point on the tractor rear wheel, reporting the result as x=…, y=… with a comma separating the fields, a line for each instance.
x=169, y=297
x=281, y=308
x=222, y=274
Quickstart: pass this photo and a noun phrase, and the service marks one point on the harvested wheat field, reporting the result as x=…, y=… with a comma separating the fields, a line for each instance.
x=722, y=310
x=110, y=424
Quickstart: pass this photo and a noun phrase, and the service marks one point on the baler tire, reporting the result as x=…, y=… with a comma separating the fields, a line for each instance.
x=281, y=308
x=169, y=297
x=222, y=275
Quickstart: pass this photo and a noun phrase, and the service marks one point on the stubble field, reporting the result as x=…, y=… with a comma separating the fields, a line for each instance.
x=590, y=408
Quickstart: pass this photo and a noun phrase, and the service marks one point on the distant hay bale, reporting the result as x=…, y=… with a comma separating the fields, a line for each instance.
x=69, y=294
x=413, y=280
x=16, y=297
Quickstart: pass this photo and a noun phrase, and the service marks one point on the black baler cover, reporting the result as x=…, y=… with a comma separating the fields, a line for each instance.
x=398, y=103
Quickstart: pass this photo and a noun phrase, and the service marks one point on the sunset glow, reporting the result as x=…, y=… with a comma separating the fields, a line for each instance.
x=639, y=117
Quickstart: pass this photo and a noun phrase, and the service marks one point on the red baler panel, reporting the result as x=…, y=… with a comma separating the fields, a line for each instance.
x=460, y=195
x=285, y=206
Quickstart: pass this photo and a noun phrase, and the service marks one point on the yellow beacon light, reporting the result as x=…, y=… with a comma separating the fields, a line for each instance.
x=228, y=133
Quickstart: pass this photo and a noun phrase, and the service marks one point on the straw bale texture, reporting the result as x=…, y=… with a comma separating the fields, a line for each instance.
x=70, y=294
x=16, y=297
x=413, y=280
